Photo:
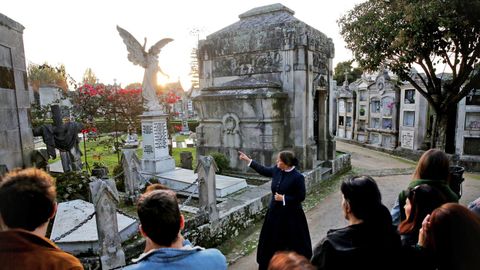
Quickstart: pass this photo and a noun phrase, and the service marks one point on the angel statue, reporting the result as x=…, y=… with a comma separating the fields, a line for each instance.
x=149, y=61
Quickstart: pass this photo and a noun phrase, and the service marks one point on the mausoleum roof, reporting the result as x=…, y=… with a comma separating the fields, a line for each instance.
x=9, y=23
x=263, y=28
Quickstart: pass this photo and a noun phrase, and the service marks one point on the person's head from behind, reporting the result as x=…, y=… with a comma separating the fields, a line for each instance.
x=453, y=235
x=289, y=260
x=156, y=186
x=433, y=165
x=421, y=201
x=27, y=199
x=360, y=197
x=286, y=159
x=160, y=218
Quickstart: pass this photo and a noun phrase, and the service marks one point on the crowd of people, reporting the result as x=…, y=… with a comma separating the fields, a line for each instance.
x=426, y=228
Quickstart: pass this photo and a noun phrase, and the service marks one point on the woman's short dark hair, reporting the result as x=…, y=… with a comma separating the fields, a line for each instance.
x=27, y=198
x=288, y=157
x=365, y=200
x=159, y=216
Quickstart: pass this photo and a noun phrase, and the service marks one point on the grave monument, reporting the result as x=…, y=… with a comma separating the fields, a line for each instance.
x=264, y=84
x=154, y=120
x=156, y=161
x=16, y=138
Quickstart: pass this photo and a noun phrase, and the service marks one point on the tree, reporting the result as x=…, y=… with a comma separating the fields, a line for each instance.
x=429, y=34
x=194, y=75
x=104, y=101
x=352, y=73
x=90, y=102
x=47, y=75
x=41, y=75
x=129, y=104
x=89, y=77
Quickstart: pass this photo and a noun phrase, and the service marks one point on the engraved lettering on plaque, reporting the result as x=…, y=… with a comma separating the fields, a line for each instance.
x=147, y=129
x=147, y=149
x=160, y=135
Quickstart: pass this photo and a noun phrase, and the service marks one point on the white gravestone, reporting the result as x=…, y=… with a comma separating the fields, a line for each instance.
x=155, y=143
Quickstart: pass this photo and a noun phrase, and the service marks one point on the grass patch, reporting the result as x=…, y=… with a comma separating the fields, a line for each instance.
x=101, y=150
x=180, y=138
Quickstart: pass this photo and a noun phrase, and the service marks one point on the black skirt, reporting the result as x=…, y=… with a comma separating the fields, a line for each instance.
x=285, y=229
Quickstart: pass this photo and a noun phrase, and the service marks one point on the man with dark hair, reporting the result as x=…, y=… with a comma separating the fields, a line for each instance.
x=27, y=203
x=165, y=248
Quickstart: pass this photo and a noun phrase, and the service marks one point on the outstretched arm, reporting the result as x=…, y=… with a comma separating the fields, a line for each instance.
x=268, y=172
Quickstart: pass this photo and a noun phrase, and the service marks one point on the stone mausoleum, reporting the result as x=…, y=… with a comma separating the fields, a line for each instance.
x=16, y=143
x=264, y=84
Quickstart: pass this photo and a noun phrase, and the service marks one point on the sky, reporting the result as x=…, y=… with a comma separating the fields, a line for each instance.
x=82, y=34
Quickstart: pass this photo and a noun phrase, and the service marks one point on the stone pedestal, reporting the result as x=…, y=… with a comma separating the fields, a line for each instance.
x=155, y=143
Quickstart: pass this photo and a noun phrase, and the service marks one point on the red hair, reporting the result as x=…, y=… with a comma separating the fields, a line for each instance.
x=454, y=237
x=284, y=260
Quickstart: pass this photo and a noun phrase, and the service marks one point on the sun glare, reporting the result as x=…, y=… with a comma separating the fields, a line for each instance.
x=162, y=80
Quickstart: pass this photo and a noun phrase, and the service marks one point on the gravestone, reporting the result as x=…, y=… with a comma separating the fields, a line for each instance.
x=131, y=168
x=105, y=198
x=185, y=130
x=132, y=139
x=156, y=158
x=186, y=160
x=265, y=84
x=16, y=138
x=206, y=170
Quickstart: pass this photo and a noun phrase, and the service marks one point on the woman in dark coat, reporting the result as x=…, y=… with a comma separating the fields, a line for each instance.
x=285, y=227
x=370, y=241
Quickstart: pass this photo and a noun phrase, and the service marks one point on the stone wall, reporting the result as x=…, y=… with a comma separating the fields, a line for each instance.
x=341, y=164
x=16, y=138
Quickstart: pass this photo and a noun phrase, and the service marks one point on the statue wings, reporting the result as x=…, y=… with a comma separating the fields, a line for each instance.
x=137, y=53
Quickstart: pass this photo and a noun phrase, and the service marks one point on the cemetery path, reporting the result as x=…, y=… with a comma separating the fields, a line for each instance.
x=392, y=175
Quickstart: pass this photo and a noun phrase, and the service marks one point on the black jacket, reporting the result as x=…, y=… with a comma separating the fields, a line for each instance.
x=359, y=246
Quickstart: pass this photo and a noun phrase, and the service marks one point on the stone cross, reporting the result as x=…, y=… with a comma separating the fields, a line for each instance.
x=63, y=137
x=131, y=167
x=105, y=198
x=206, y=170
